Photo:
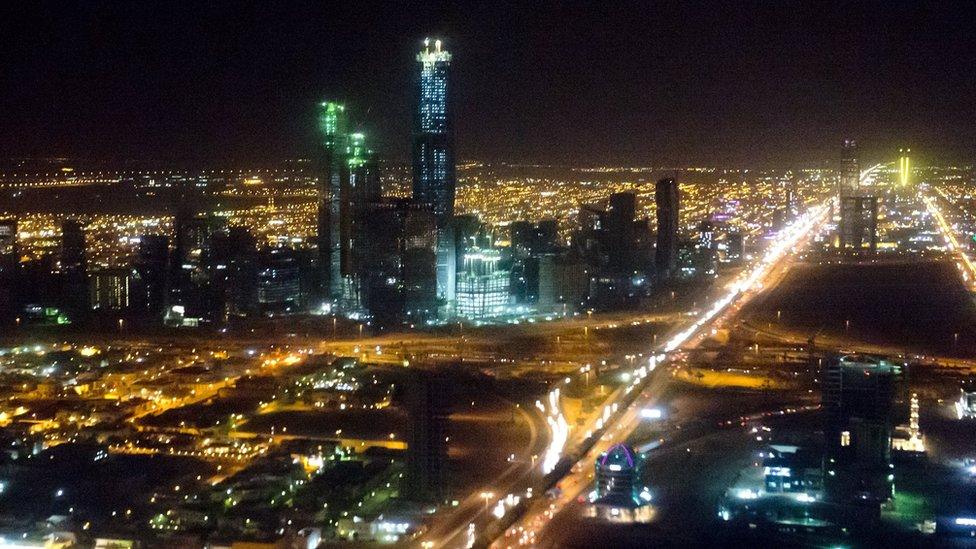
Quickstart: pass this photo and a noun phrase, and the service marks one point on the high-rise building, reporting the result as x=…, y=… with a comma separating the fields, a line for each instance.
x=397, y=266
x=859, y=393
x=348, y=182
x=333, y=175
x=73, y=266
x=529, y=244
x=904, y=167
x=850, y=171
x=9, y=263
x=858, y=223
x=73, y=258
x=433, y=136
x=427, y=402
x=483, y=287
x=8, y=237
x=110, y=289
x=152, y=270
x=434, y=181
x=233, y=267
x=619, y=241
x=278, y=281
x=666, y=253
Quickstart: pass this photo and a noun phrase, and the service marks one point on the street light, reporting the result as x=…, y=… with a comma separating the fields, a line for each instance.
x=487, y=496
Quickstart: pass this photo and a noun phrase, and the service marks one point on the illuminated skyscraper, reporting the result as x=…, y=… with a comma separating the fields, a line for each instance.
x=666, y=253
x=904, y=167
x=349, y=181
x=433, y=157
x=433, y=135
x=850, y=171
x=858, y=226
x=483, y=288
x=333, y=171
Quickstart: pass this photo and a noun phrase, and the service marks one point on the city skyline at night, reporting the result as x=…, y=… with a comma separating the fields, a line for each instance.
x=487, y=276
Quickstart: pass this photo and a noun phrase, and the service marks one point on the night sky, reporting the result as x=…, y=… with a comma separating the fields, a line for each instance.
x=749, y=84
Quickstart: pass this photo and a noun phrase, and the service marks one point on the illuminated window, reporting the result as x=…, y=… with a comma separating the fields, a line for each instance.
x=845, y=438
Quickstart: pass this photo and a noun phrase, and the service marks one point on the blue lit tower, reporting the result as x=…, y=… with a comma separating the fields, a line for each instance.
x=434, y=179
x=433, y=136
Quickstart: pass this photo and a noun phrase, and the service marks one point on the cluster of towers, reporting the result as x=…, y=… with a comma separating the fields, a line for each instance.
x=390, y=259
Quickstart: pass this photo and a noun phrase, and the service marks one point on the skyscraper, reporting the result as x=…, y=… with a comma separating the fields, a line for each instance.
x=349, y=181
x=858, y=223
x=859, y=393
x=850, y=171
x=433, y=135
x=666, y=254
x=333, y=172
x=73, y=265
x=152, y=275
x=433, y=157
x=428, y=404
x=904, y=167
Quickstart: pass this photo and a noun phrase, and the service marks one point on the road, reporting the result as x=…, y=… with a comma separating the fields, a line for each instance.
x=768, y=271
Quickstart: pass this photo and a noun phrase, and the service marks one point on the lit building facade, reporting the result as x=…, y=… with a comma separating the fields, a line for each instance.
x=434, y=179
x=348, y=181
x=482, y=287
x=850, y=171
x=904, y=167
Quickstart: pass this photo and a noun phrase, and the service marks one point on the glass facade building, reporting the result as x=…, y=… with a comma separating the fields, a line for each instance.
x=482, y=288
x=434, y=180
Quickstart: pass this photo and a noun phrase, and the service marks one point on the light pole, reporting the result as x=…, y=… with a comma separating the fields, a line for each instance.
x=487, y=496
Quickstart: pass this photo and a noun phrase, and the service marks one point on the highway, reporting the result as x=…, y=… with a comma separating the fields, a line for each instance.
x=768, y=271
x=965, y=265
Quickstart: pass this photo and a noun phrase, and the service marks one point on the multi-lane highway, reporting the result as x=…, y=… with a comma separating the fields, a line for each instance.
x=769, y=270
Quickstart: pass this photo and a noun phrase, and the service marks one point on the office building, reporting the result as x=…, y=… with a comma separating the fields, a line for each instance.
x=110, y=289
x=151, y=268
x=434, y=180
x=735, y=247
x=619, y=238
x=564, y=283
x=482, y=287
x=858, y=226
x=433, y=137
x=348, y=181
x=73, y=268
x=427, y=402
x=859, y=397
x=278, y=281
x=666, y=199
x=333, y=176
x=529, y=244
x=73, y=259
x=397, y=267
x=233, y=274
x=9, y=268
x=850, y=171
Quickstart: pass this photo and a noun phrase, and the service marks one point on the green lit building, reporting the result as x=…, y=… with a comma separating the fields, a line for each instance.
x=349, y=181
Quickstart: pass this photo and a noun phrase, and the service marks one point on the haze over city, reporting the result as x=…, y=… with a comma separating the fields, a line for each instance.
x=457, y=275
